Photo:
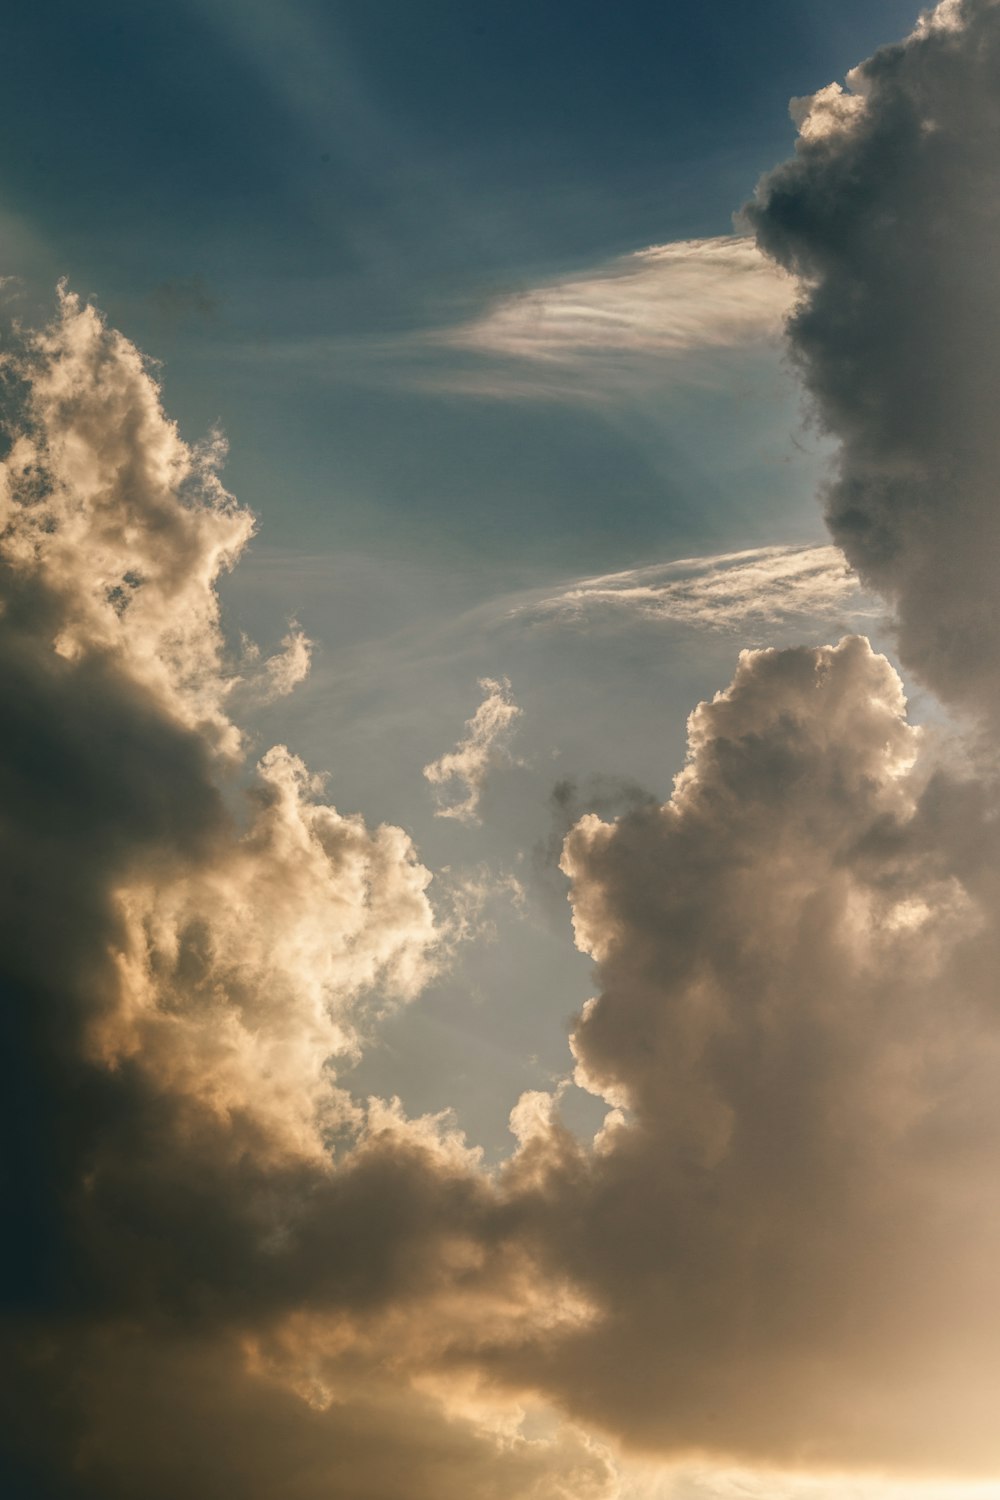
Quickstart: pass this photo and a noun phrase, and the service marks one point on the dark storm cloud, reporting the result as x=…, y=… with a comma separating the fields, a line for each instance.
x=890, y=213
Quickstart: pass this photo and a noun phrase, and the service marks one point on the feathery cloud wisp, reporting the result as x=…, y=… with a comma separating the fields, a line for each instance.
x=670, y=299
x=758, y=587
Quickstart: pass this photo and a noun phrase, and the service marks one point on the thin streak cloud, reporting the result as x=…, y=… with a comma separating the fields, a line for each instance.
x=666, y=312
x=669, y=299
x=761, y=586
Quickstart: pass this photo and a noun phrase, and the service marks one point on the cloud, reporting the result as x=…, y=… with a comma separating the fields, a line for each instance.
x=485, y=745
x=188, y=942
x=668, y=300
x=887, y=216
x=759, y=587
x=275, y=676
x=785, y=1229
x=237, y=942
x=671, y=312
x=205, y=1224
x=780, y=1250
x=668, y=312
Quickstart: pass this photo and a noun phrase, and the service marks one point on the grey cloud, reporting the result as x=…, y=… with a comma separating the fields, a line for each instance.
x=786, y=1228
x=571, y=798
x=158, y=1415
x=888, y=215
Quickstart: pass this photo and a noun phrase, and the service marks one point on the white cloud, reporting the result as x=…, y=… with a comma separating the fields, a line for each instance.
x=759, y=587
x=668, y=300
x=462, y=772
x=246, y=959
x=676, y=312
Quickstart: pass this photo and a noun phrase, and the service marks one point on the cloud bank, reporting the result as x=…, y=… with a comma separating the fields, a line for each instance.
x=196, y=1293
x=785, y=1226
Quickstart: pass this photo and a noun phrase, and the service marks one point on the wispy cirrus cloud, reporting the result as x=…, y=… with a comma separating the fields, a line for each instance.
x=667, y=312
x=668, y=299
x=761, y=586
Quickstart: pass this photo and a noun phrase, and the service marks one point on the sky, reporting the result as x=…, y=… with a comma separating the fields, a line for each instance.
x=499, y=792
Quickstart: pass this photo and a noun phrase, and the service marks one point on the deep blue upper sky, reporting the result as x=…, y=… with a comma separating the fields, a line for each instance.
x=314, y=138
x=228, y=177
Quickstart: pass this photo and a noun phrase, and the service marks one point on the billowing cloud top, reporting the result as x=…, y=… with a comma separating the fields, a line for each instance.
x=887, y=215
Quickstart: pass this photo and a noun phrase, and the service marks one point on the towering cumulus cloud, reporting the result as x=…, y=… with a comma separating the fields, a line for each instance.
x=195, y=1296
x=786, y=1228
x=787, y=1231
x=888, y=215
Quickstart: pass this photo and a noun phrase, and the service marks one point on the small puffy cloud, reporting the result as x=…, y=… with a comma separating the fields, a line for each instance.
x=760, y=587
x=461, y=774
x=887, y=216
x=265, y=681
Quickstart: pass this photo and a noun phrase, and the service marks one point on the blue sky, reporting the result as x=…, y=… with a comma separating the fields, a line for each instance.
x=238, y=183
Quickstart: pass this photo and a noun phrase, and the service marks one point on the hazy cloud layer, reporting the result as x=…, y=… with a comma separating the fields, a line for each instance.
x=888, y=215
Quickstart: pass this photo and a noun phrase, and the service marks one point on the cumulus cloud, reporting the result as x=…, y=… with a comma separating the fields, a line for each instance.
x=461, y=773
x=786, y=1228
x=887, y=215
x=759, y=587
x=187, y=945
x=234, y=971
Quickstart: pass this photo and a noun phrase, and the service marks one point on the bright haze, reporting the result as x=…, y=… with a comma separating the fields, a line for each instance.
x=498, y=792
